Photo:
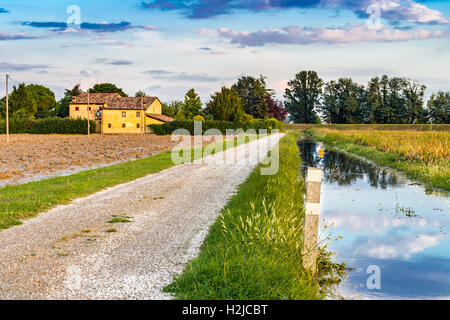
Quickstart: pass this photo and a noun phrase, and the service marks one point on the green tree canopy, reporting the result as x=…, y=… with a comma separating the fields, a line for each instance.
x=225, y=105
x=341, y=101
x=64, y=102
x=303, y=96
x=107, y=88
x=395, y=100
x=192, y=106
x=45, y=101
x=414, y=93
x=31, y=101
x=22, y=102
x=253, y=92
x=140, y=94
x=439, y=107
x=172, y=108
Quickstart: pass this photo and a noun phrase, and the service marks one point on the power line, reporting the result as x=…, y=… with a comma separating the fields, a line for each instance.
x=18, y=82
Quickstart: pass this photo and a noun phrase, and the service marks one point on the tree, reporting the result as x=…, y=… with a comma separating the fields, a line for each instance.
x=395, y=100
x=363, y=113
x=341, y=101
x=192, y=106
x=31, y=101
x=64, y=102
x=374, y=99
x=275, y=109
x=225, y=105
x=439, y=107
x=140, y=94
x=172, y=108
x=385, y=100
x=3, y=108
x=253, y=92
x=45, y=100
x=330, y=105
x=414, y=93
x=107, y=88
x=22, y=103
x=303, y=96
x=378, y=99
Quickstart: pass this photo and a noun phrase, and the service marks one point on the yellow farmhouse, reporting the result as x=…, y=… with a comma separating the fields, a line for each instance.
x=116, y=114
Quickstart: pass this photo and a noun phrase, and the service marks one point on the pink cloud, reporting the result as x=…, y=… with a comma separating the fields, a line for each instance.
x=299, y=35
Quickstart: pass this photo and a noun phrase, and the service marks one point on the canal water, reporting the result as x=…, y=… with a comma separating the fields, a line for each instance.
x=395, y=235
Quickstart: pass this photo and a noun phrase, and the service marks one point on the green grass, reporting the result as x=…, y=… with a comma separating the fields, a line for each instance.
x=24, y=201
x=253, y=250
x=120, y=220
x=435, y=176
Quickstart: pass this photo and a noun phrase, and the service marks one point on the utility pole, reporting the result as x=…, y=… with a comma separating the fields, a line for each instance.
x=88, y=117
x=7, y=110
x=142, y=115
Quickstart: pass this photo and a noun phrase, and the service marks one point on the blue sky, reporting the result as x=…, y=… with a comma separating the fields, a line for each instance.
x=165, y=47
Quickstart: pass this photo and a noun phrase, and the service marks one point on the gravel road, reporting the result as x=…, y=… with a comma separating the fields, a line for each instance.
x=74, y=252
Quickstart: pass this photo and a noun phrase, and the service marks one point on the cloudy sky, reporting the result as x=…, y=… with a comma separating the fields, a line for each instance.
x=165, y=47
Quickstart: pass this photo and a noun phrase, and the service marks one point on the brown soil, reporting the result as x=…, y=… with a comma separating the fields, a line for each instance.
x=35, y=155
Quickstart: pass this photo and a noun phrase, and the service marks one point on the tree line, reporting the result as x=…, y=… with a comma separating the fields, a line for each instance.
x=384, y=100
x=308, y=99
x=247, y=99
x=38, y=102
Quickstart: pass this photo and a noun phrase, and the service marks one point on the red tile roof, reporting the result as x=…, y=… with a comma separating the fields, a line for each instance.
x=160, y=117
x=130, y=103
x=114, y=101
x=97, y=98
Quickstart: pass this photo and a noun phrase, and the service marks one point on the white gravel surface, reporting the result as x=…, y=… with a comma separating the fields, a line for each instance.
x=66, y=253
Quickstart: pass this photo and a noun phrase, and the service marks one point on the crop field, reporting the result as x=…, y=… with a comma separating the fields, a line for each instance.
x=383, y=127
x=29, y=156
x=428, y=147
x=390, y=127
x=425, y=155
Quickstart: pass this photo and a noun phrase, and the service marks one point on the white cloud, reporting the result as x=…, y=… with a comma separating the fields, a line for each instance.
x=398, y=246
x=300, y=35
x=393, y=10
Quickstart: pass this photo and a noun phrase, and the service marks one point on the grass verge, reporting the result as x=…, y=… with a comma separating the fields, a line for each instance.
x=253, y=250
x=436, y=174
x=20, y=202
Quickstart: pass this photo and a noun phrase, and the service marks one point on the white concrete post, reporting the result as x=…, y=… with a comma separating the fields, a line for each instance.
x=311, y=227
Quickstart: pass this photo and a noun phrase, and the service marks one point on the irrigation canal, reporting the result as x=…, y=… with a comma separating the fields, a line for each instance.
x=387, y=222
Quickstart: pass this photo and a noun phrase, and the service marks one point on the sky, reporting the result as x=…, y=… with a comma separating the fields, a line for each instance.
x=165, y=47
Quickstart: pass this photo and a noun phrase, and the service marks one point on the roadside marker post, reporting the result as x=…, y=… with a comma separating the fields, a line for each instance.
x=311, y=227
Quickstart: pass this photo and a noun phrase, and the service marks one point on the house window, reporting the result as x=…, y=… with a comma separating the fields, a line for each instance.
x=124, y=114
x=138, y=125
x=77, y=108
x=123, y=125
x=90, y=108
x=138, y=114
x=109, y=125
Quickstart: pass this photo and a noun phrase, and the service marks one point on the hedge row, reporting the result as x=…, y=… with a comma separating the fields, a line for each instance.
x=48, y=126
x=222, y=126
